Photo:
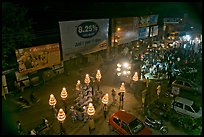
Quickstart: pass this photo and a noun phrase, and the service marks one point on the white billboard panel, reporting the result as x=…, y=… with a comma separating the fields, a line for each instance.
x=83, y=36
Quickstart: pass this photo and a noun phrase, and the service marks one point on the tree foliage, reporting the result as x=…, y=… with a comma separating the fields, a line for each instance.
x=16, y=32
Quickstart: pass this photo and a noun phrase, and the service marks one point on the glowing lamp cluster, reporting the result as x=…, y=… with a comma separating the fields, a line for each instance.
x=52, y=100
x=122, y=87
x=64, y=93
x=135, y=77
x=98, y=75
x=87, y=79
x=91, y=109
x=105, y=99
x=61, y=115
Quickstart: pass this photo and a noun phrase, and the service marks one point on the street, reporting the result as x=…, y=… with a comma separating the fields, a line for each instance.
x=32, y=117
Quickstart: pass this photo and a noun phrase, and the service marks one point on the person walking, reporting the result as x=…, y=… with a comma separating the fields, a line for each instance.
x=19, y=128
x=113, y=93
x=22, y=86
x=158, y=89
x=105, y=110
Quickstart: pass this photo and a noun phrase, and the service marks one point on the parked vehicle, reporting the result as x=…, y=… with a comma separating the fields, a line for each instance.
x=125, y=123
x=186, y=85
x=156, y=124
x=187, y=107
x=22, y=103
x=43, y=127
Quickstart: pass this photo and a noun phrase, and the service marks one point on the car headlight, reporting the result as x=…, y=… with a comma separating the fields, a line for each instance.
x=124, y=72
x=125, y=65
x=128, y=72
x=119, y=65
x=119, y=73
x=118, y=69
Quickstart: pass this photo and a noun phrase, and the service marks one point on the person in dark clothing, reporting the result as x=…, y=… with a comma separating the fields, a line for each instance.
x=19, y=128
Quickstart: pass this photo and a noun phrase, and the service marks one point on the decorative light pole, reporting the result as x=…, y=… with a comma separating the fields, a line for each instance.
x=98, y=77
x=122, y=92
x=87, y=80
x=91, y=112
x=64, y=96
x=52, y=103
x=61, y=117
x=105, y=102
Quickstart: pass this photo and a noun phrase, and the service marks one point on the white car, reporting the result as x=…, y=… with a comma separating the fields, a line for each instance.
x=187, y=107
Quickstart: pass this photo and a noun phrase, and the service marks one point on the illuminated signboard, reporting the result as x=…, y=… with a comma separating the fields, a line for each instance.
x=83, y=36
x=143, y=32
x=153, y=20
x=154, y=31
x=38, y=57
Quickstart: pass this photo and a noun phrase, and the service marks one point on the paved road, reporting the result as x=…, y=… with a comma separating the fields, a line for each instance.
x=32, y=117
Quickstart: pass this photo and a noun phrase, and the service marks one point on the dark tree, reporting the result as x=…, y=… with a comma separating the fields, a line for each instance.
x=16, y=32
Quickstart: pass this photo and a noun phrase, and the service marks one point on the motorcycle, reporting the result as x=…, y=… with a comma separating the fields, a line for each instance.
x=22, y=103
x=34, y=98
x=43, y=127
x=156, y=124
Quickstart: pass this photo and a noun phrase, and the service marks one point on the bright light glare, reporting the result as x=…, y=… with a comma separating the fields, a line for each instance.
x=125, y=65
x=124, y=72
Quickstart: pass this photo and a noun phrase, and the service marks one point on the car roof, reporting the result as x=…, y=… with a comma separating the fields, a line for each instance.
x=184, y=101
x=124, y=116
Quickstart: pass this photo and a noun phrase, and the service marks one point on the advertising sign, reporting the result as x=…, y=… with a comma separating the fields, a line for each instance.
x=128, y=29
x=143, y=32
x=38, y=57
x=83, y=36
x=153, y=20
x=171, y=20
x=144, y=21
x=154, y=31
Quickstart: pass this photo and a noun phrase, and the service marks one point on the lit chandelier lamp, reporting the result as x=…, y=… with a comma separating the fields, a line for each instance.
x=105, y=99
x=87, y=79
x=64, y=96
x=135, y=77
x=91, y=109
x=52, y=101
x=61, y=117
x=122, y=87
x=64, y=93
x=91, y=112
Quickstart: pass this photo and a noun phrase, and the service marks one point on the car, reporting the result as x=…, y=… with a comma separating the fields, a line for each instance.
x=125, y=123
x=187, y=86
x=187, y=107
x=123, y=71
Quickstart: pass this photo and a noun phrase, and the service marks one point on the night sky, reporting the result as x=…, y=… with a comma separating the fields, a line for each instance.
x=46, y=14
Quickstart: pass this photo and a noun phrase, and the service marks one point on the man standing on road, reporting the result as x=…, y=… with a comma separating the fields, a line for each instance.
x=158, y=89
x=113, y=93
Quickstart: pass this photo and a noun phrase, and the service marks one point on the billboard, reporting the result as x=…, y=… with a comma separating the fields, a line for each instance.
x=38, y=57
x=154, y=31
x=83, y=36
x=128, y=29
x=143, y=32
x=153, y=20
x=144, y=21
